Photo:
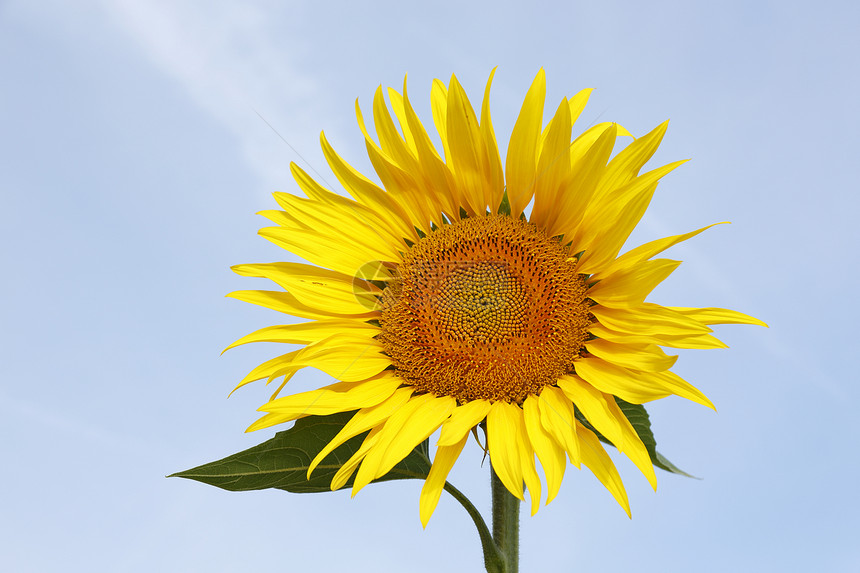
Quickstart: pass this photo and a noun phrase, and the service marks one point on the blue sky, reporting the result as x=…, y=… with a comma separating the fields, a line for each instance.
x=133, y=159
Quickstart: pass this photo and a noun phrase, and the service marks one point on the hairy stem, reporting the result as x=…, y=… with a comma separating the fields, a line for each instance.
x=506, y=524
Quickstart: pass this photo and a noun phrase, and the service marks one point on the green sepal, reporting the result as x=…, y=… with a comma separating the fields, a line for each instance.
x=282, y=462
x=505, y=206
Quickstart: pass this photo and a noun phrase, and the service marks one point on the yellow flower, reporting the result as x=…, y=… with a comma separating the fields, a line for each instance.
x=438, y=303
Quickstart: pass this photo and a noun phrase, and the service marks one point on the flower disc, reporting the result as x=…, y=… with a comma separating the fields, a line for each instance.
x=485, y=308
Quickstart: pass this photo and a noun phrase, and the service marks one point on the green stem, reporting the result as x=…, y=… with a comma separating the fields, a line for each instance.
x=506, y=524
x=493, y=560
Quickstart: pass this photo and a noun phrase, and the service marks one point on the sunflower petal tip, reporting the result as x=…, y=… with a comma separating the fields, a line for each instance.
x=424, y=514
x=312, y=466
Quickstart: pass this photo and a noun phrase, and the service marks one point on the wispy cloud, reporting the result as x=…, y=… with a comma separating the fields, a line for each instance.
x=234, y=59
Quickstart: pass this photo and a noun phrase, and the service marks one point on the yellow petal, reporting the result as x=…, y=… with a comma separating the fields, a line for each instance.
x=465, y=145
x=432, y=490
x=322, y=250
x=584, y=142
x=525, y=455
x=494, y=177
x=348, y=468
x=712, y=315
x=383, y=220
x=463, y=419
x=594, y=407
x=399, y=109
x=626, y=165
x=405, y=429
x=602, y=242
x=389, y=139
x=553, y=168
x=648, y=319
x=367, y=193
x=691, y=341
x=633, y=446
x=636, y=387
x=367, y=231
x=628, y=385
x=439, y=180
x=439, y=106
x=588, y=161
x=679, y=387
x=521, y=162
x=613, y=217
x=578, y=102
x=289, y=304
x=646, y=251
x=630, y=286
x=399, y=174
x=345, y=357
x=558, y=419
x=502, y=428
x=597, y=460
x=339, y=397
x=316, y=287
x=364, y=420
x=550, y=454
x=643, y=357
x=527, y=462
x=307, y=332
x=271, y=369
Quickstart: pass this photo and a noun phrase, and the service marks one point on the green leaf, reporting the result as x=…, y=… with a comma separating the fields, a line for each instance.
x=640, y=421
x=282, y=462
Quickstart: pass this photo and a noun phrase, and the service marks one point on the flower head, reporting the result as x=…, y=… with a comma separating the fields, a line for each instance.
x=438, y=300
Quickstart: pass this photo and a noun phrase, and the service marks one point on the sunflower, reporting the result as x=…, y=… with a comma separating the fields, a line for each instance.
x=462, y=292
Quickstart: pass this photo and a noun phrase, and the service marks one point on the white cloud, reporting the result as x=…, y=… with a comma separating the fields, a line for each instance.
x=234, y=59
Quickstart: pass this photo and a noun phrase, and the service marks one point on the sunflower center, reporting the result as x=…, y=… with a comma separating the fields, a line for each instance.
x=482, y=302
x=487, y=307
